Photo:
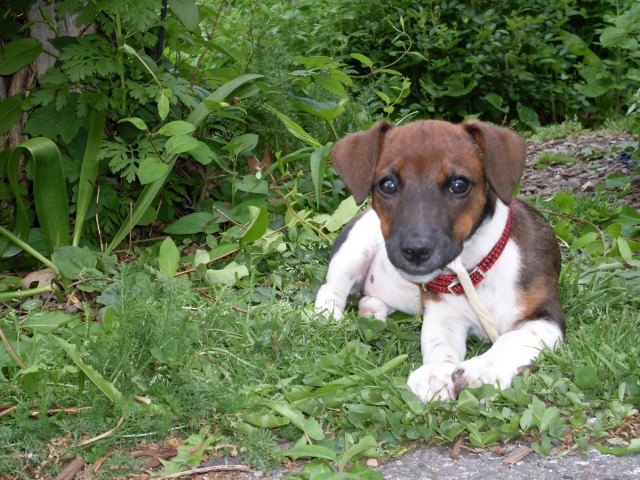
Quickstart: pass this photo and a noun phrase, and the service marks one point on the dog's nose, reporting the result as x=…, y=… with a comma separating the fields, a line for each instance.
x=417, y=254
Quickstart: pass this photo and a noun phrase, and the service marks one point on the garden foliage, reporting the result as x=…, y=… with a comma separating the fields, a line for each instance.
x=210, y=126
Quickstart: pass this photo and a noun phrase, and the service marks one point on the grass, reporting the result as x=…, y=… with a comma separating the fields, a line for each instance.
x=250, y=365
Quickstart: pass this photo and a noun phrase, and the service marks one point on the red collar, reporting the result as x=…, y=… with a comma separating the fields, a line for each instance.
x=450, y=283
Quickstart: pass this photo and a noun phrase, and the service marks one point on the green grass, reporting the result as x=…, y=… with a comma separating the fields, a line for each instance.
x=251, y=365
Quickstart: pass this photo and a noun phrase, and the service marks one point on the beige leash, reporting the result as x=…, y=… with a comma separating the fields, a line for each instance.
x=485, y=317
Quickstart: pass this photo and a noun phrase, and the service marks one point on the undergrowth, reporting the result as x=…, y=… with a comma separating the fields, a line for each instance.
x=251, y=365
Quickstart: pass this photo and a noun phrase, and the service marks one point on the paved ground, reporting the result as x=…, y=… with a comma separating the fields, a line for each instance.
x=428, y=462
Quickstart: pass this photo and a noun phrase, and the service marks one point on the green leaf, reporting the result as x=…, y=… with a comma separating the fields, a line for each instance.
x=163, y=106
x=295, y=129
x=151, y=169
x=190, y=224
x=10, y=112
x=169, y=258
x=151, y=190
x=73, y=260
x=343, y=214
x=612, y=36
x=362, y=59
x=310, y=451
x=180, y=144
x=258, y=226
x=18, y=54
x=88, y=171
x=565, y=202
x=265, y=420
x=187, y=12
x=550, y=417
x=47, y=321
x=330, y=83
x=104, y=385
x=366, y=443
x=49, y=189
x=137, y=122
x=625, y=250
x=584, y=240
x=178, y=127
x=308, y=425
x=468, y=403
x=228, y=275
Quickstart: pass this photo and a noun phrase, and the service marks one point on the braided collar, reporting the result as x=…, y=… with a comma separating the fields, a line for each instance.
x=450, y=283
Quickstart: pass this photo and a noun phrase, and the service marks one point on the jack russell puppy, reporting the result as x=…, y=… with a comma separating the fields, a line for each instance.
x=443, y=193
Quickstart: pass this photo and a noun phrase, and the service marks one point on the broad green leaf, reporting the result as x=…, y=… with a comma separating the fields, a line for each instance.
x=88, y=171
x=360, y=471
x=151, y=190
x=311, y=451
x=18, y=54
x=151, y=169
x=584, y=240
x=366, y=443
x=326, y=110
x=363, y=59
x=49, y=191
x=550, y=417
x=565, y=202
x=51, y=122
x=169, y=258
x=202, y=153
x=137, y=122
x=613, y=36
x=47, y=321
x=330, y=83
x=385, y=98
x=187, y=12
x=228, y=275
x=104, y=385
x=10, y=112
x=343, y=214
x=73, y=260
x=180, y=144
x=265, y=420
x=258, y=226
x=308, y=425
x=189, y=224
x=468, y=403
x=163, y=106
x=625, y=250
x=178, y=127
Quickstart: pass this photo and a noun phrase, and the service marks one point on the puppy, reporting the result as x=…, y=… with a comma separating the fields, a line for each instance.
x=443, y=193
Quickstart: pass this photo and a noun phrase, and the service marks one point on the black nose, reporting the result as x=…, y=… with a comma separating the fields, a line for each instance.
x=416, y=254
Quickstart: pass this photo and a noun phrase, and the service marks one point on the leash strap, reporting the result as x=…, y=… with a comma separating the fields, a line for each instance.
x=485, y=317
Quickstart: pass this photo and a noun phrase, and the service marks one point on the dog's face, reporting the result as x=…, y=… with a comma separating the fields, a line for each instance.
x=432, y=183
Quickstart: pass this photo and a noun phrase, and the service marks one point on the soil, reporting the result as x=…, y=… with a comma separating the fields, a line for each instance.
x=594, y=158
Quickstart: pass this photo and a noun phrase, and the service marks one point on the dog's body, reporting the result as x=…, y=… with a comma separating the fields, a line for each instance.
x=442, y=192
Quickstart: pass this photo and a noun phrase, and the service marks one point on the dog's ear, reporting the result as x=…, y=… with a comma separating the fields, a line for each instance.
x=504, y=156
x=356, y=156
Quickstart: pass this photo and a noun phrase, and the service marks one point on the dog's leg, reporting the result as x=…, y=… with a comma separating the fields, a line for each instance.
x=372, y=306
x=443, y=340
x=511, y=352
x=357, y=246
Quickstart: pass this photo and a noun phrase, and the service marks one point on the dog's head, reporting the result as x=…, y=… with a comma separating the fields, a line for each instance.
x=433, y=183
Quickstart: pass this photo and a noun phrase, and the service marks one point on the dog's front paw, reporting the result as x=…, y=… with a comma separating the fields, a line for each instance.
x=433, y=382
x=329, y=309
x=479, y=370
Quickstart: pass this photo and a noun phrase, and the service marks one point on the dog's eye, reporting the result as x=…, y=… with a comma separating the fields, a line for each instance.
x=459, y=186
x=388, y=186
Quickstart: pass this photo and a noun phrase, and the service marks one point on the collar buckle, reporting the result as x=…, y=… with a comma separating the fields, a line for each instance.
x=477, y=275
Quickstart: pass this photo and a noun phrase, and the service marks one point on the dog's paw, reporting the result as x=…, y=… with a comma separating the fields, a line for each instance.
x=479, y=370
x=373, y=307
x=329, y=309
x=433, y=382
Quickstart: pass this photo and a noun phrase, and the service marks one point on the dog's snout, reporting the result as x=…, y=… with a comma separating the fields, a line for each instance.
x=417, y=254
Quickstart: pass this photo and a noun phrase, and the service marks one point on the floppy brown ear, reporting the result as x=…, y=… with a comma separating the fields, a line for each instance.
x=504, y=156
x=356, y=156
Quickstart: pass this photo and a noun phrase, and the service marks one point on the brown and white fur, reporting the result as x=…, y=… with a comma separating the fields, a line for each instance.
x=442, y=191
